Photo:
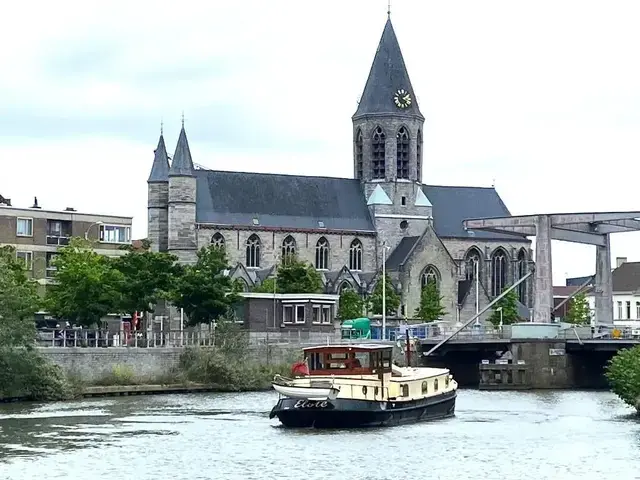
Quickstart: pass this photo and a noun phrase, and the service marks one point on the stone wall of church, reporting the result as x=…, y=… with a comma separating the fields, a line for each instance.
x=430, y=252
x=182, y=218
x=158, y=216
x=458, y=248
x=270, y=242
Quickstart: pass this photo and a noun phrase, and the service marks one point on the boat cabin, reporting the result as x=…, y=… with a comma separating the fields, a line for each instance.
x=348, y=360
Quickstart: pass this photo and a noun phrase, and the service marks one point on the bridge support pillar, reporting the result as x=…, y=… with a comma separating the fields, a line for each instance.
x=543, y=291
x=603, y=284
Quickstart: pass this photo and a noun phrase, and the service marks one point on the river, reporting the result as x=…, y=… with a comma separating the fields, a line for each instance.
x=517, y=435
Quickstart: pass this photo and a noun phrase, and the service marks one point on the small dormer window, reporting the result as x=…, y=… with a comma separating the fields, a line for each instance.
x=256, y=222
x=321, y=224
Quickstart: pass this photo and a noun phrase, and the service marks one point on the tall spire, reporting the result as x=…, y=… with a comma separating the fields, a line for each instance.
x=388, y=88
x=160, y=167
x=182, y=164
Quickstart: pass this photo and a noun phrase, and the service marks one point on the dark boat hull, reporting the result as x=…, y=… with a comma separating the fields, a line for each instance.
x=346, y=413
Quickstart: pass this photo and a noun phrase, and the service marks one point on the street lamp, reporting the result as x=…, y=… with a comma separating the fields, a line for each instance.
x=384, y=290
x=86, y=233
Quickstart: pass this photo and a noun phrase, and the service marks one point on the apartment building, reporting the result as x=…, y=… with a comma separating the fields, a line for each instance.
x=37, y=233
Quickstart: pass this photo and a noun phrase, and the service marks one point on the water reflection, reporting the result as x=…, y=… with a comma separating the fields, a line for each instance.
x=521, y=434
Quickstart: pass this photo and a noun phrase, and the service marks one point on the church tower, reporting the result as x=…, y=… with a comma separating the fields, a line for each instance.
x=387, y=146
x=158, y=199
x=182, y=203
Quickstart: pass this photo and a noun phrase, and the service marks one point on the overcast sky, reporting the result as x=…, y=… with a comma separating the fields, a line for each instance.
x=543, y=98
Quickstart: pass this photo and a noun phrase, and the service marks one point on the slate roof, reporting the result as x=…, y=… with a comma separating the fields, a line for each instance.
x=160, y=167
x=577, y=281
x=281, y=201
x=453, y=205
x=388, y=74
x=400, y=253
x=182, y=164
x=626, y=278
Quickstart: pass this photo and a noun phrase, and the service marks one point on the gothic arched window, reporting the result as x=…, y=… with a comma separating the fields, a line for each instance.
x=419, y=155
x=344, y=286
x=473, y=263
x=402, y=153
x=288, y=249
x=498, y=272
x=522, y=271
x=322, y=254
x=430, y=275
x=378, y=153
x=253, y=251
x=355, y=255
x=217, y=240
x=359, y=154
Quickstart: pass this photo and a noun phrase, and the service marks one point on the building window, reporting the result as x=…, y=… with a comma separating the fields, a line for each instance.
x=402, y=153
x=287, y=314
x=430, y=275
x=326, y=314
x=378, y=153
x=344, y=286
x=419, y=155
x=288, y=249
x=253, y=251
x=637, y=310
x=619, y=310
x=27, y=258
x=355, y=255
x=403, y=201
x=217, y=240
x=404, y=225
x=628, y=311
x=498, y=272
x=50, y=265
x=300, y=314
x=359, y=154
x=24, y=227
x=522, y=271
x=317, y=312
x=115, y=234
x=473, y=264
x=322, y=254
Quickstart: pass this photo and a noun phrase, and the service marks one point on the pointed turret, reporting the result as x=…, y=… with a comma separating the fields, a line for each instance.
x=182, y=164
x=388, y=88
x=160, y=167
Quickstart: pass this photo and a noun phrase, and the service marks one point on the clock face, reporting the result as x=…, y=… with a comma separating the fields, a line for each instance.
x=402, y=98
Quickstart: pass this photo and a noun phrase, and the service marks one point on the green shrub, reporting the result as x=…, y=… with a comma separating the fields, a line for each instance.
x=26, y=374
x=623, y=373
x=120, y=375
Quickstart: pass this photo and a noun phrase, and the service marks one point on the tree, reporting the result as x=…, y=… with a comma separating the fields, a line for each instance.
x=266, y=286
x=391, y=298
x=19, y=301
x=87, y=286
x=205, y=290
x=623, y=373
x=509, y=314
x=295, y=276
x=350, y=306
x=430, y=303
x=147, y=278
x=579, y=312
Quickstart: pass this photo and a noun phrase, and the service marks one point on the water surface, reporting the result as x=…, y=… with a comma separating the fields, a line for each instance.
x=516, y=435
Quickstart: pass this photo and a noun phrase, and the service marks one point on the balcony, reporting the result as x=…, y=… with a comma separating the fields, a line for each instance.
x=58, y=239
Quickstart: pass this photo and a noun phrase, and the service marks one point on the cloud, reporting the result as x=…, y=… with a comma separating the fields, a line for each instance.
x=543, y=101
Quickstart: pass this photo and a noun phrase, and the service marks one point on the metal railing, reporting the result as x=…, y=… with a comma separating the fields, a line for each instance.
x=78, y=338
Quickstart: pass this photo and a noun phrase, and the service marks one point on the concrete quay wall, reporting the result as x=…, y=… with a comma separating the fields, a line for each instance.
x=91, y=365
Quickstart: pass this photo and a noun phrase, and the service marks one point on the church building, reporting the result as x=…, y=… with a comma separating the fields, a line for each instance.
x=347, y=227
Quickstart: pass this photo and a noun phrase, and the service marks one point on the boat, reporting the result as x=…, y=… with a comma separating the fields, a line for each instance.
x=353, y=386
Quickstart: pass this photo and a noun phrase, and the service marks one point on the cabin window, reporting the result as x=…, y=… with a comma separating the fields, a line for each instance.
x=315, y=361
x=446, y=381
x=405, y=390
x=362, y=360
x=425, y=386
x=435, y=385
x=300, y=314
x=287, y=314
